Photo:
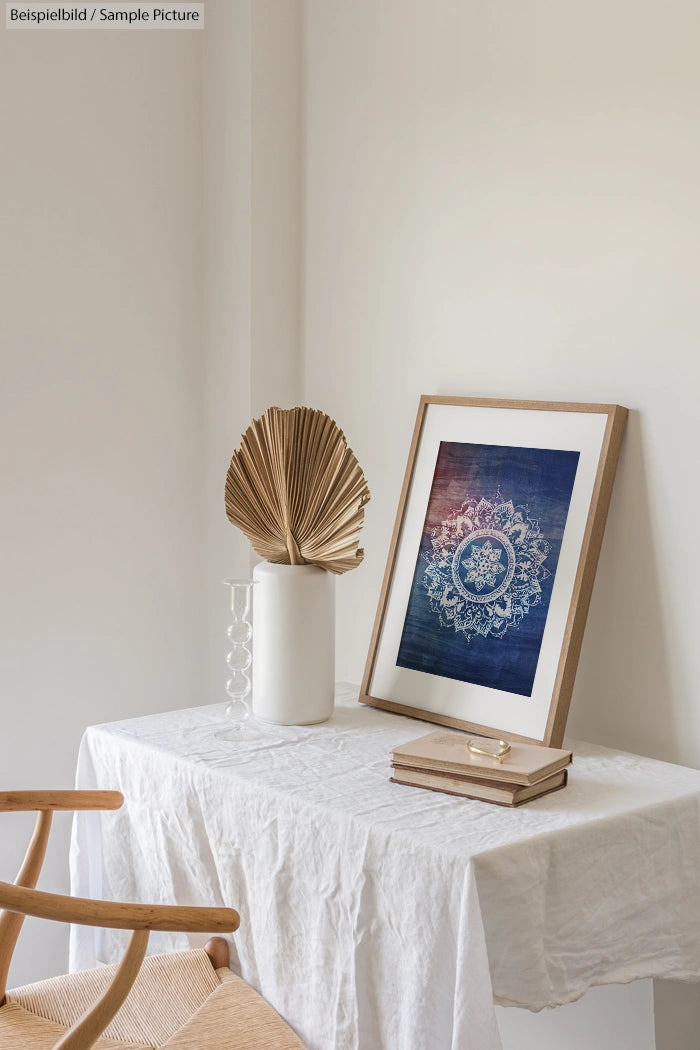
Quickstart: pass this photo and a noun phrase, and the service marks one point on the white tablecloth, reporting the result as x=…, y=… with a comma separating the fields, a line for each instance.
x=382, y=917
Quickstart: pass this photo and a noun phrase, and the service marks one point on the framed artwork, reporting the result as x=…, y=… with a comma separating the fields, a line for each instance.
x=491, y=566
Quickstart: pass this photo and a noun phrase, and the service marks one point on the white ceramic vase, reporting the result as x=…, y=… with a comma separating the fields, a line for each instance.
x=293, y=644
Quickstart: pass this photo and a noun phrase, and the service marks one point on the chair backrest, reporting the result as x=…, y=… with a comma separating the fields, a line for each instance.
x=22, y=898
x=44, y=803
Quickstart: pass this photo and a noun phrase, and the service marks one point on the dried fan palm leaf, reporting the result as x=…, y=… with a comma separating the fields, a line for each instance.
x=297, y=491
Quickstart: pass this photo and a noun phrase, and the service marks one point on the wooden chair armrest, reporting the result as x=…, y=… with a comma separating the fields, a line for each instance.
x=44, y=803
x=114, y=915
x=21, y=801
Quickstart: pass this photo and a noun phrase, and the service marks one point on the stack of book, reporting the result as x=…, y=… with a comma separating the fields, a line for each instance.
x=442, y=761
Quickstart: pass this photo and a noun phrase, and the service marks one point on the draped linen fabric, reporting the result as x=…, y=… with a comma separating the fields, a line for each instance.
x=377, y=916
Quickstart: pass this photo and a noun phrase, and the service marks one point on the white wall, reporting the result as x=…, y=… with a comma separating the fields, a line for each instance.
x=501, y=200
x=226, y=312
x=149, y=275
x=101, y=407
x=251, y=290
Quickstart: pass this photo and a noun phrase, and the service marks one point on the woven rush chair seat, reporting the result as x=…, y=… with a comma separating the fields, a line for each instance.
x=204, y=1009
x=180, y=1001
x=22, y=1030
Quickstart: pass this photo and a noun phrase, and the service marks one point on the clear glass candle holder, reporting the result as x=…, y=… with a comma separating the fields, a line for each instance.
x=238, y=660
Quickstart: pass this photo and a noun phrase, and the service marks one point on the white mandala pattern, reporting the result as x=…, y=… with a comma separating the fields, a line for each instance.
x=483, y=565
x=485, y=569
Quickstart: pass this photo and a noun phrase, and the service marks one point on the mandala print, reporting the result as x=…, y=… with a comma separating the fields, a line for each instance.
x=486, y=567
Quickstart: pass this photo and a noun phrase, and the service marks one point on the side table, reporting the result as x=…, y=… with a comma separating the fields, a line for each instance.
x=386, y=917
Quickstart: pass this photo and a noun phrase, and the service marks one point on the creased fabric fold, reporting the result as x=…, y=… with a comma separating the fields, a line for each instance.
x=382, y=917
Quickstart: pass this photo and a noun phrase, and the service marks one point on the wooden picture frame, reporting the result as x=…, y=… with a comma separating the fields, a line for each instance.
x=491, y=565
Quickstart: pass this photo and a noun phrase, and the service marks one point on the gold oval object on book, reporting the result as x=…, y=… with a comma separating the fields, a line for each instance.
x=297, y=491
x=499, y=750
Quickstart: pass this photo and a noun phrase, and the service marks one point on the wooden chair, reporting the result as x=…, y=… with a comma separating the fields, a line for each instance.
x=182, y=1001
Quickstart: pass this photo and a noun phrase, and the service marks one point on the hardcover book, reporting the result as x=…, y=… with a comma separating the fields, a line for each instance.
x=482, y=790
x=446, y=751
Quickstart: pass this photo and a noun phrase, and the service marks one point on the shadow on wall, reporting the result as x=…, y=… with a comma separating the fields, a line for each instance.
x=624, y=689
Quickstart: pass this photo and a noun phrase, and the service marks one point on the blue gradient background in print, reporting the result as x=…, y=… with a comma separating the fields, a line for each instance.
x=540, y=480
